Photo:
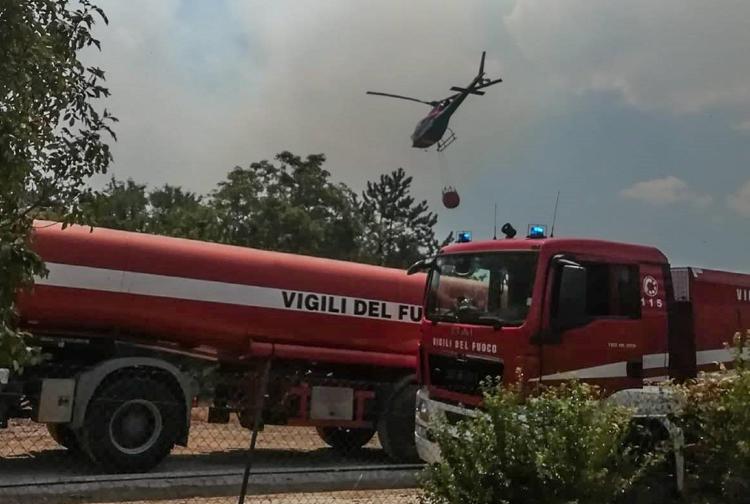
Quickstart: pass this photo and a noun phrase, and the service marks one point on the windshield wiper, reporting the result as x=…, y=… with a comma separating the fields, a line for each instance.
x=497, y=322
x=443, y=317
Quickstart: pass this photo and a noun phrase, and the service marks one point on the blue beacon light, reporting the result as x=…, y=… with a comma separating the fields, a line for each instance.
x=463, y=237
x=537, y=231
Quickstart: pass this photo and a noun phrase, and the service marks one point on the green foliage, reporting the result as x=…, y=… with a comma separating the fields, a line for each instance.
x=17, y=267
x=120, y=205
x=291, y=206
x=51, y=137
x=716, y=421
x=563, y=445
x=174, y=212
x=398, y=231
x=167, y=210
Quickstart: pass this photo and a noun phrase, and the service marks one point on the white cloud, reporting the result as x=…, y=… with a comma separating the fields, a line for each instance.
x=740, y=201
x=666, y=191
x=681, y=55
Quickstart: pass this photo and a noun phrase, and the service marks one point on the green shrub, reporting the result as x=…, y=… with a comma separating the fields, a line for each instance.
x=716, y=421
x=562, y=445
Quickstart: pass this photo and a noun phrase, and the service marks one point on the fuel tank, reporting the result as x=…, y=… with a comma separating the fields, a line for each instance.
x=196, y=294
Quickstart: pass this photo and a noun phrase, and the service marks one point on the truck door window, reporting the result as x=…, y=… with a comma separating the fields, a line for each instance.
x=612, y=290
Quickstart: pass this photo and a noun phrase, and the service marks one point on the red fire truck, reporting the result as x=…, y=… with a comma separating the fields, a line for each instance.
x=140, y=328
x=615, y=314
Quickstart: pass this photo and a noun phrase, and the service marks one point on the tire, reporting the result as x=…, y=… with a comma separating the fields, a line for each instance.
x=396, y=422
x=131, y=423
x=345, y=440
x=64, y=436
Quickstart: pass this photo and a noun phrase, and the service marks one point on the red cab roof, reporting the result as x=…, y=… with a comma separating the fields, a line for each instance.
x=612, y=250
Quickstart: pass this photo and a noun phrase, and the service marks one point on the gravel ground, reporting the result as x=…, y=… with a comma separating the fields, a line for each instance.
x=28, y=453
x=364, y=497
x=24, y=438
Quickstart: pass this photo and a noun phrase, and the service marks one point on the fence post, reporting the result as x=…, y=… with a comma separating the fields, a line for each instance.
x=260, y=401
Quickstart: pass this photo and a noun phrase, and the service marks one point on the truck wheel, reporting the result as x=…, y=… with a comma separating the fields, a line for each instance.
x=131, y=423
x=345, y=440
x=396, y=422
x=64, y=436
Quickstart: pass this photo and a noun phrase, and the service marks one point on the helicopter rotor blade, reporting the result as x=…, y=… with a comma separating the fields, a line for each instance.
x=474, y=88
x=430, y=103
x=488, y=83
x=467, y=90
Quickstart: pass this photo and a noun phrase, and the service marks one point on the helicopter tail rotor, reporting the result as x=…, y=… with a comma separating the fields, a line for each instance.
x=479, y=82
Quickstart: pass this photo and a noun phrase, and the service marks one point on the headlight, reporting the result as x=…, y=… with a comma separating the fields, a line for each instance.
x=424, y=412
x=4, y=375
x=423, y=409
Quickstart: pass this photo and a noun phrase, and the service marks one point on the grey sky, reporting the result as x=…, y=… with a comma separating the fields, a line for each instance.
x=638, y=111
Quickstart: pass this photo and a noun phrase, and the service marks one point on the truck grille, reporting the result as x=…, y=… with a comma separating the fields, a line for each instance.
x=464, y=376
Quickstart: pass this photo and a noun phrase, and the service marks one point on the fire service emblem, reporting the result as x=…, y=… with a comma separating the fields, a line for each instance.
x=650, y=286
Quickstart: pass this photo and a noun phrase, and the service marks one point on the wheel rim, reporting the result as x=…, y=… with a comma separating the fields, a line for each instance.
x=135, y=426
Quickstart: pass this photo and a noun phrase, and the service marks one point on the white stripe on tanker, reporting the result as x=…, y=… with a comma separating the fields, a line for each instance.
x=192, y=289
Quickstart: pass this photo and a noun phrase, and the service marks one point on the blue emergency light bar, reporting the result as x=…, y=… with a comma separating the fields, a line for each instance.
x=463, y=237
x=537, y=231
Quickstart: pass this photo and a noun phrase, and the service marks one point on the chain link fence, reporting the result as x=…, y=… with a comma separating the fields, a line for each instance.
x=134, y=445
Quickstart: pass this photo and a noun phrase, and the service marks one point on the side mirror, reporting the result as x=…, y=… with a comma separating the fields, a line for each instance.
x=422, y=265
x=571, y=298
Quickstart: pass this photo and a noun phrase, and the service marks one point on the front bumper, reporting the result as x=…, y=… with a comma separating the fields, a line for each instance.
x=427, y=411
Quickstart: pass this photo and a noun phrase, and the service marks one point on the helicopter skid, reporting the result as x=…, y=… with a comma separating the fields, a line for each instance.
x=445, y=142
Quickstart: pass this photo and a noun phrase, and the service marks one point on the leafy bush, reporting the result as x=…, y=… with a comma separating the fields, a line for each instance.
x=563, y=445
x=52, y=138
x=716, y=421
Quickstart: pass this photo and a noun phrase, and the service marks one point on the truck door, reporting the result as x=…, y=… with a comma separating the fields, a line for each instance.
x=606, y=346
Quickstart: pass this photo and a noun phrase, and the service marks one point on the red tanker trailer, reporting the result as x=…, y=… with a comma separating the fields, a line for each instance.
x=134, y=324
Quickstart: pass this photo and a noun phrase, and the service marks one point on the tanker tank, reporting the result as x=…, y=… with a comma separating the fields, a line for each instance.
x=228, y=298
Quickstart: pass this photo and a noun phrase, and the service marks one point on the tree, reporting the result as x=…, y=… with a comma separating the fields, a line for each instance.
x=120, y=205
x=292, y=206
x=51, y=137
x=397, y=231
x=168, y=210
x=174, y=212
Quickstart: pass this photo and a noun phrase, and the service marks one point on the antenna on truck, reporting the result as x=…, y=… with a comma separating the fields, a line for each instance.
x=494, y=232
x=554, y=216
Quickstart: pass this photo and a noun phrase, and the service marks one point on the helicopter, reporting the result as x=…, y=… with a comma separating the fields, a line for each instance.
x=431, y=129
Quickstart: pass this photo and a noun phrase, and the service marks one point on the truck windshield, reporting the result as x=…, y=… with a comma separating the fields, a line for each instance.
x=482, y=288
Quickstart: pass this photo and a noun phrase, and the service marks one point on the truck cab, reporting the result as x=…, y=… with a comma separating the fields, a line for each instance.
x=541, y=310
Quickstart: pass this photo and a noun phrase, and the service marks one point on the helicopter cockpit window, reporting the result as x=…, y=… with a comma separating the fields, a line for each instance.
x=423, y=122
